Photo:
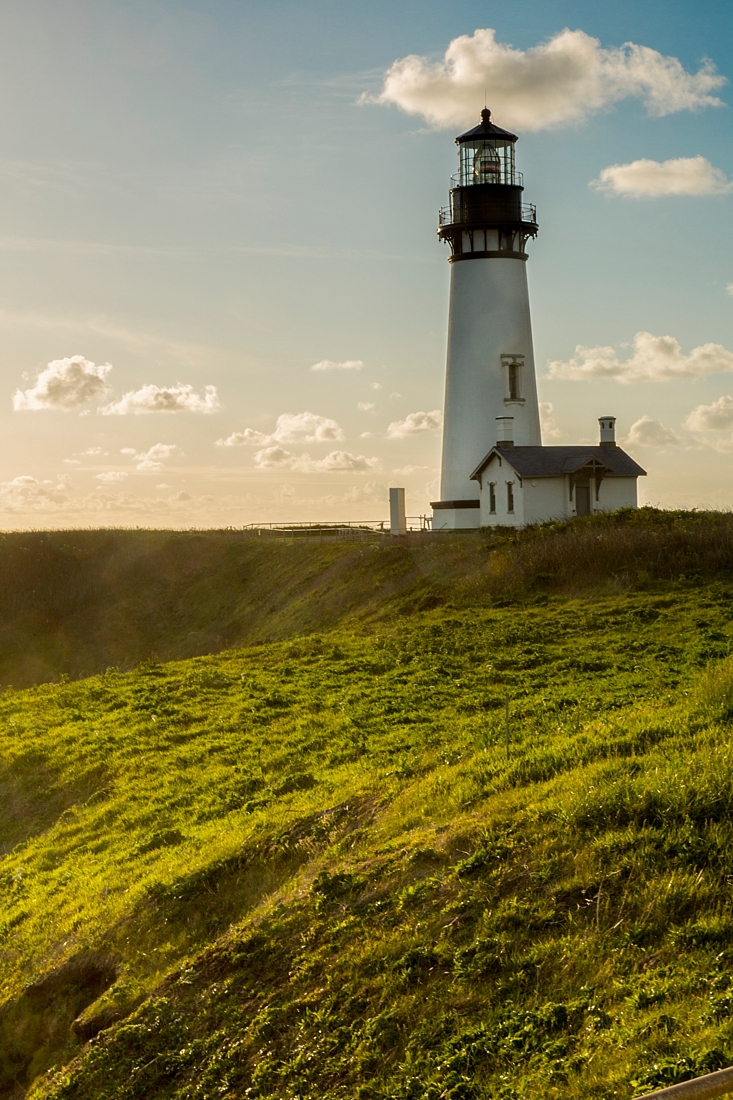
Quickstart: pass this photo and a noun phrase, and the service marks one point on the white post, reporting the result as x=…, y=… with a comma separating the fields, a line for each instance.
x=397, y=520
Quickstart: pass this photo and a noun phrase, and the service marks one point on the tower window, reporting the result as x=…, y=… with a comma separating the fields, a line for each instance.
x=514, y=381
x=512, y=369
x=510, y=496
x=492, y=497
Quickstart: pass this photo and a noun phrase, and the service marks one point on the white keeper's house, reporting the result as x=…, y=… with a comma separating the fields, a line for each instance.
x=495, y=470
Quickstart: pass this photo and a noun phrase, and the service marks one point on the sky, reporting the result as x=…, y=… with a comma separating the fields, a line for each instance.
x=222, y=296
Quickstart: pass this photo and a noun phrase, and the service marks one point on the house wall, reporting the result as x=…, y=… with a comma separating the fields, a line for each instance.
x=616, y=492
x=538, y=500
x=500, y=473
x=546, y=498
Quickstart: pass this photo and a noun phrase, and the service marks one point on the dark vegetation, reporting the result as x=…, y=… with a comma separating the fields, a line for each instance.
x=74, y=603
x=309, y=868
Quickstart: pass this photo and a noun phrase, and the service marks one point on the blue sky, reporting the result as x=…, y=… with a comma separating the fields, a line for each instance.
x=210, y=199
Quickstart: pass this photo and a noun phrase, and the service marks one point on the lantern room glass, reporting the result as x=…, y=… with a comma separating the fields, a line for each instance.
x=486, y=161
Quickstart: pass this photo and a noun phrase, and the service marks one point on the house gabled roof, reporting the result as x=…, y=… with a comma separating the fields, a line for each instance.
x=556, y=461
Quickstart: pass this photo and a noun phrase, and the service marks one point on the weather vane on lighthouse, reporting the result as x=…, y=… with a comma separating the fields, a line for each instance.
x=495, y=471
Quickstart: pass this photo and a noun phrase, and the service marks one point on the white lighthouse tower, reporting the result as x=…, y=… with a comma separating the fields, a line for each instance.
x=490, y=370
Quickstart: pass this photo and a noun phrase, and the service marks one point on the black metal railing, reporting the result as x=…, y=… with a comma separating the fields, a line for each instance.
x=447, y=215
x=514, y=179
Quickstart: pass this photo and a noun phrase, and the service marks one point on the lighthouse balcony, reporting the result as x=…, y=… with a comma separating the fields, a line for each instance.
x=457, y=214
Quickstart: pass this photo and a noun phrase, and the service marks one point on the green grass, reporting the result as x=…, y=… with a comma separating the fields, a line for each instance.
x=310, y=869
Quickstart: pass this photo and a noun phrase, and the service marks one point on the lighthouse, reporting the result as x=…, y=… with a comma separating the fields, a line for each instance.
x=490, y=372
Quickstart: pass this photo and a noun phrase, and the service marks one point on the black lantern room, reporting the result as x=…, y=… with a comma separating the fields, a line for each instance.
x=486, y=193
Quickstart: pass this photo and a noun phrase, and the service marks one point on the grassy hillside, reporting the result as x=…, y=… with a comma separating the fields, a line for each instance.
x=75, y=603
x=310, y=868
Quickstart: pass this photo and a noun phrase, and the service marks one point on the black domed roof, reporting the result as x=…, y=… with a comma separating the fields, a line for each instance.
x=486, y=128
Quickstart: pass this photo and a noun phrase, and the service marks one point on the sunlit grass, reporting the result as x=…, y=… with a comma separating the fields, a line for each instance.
x=399, y=908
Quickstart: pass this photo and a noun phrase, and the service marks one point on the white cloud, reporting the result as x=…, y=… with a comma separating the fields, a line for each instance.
x=729, y=288
x=151, y=399
x=71, y=461
x=25, y=498
x=547, y=420
x=330, y=364
x=305, y=427
x=647, y=432
x=379, y=386
x=652, y=178
x=156, y=456
x=365, y=406
x=277, y=458
x=248, y=438
x=654, y=359
x=92, y=451
x=563, y=80
x=24, y=494
x=716, y=417
x=112, y=475
x=414, y=423
x=368, y=493
x=65, y=384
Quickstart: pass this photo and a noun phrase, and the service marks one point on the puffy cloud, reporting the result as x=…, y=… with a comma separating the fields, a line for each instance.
x=277, y=458
x=151, y=399
x=156, y=456
x=112, y=475
x=27, y=494
x=248, y=438
x=330, y=364
x=654, y=359
x=563, y=80
x=344, y=461
x=26, y=498
x=716, y=417
x=729, y=288
x=305, y=427
x=365, y=406
x=369, y=492
x=65, y=384
x=414, y=423
x=652, y=178
x=647, y=432
x=547, y=420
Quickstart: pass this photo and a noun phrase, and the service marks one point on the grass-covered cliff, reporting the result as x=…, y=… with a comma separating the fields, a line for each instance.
x=73, y=603
x=309, y=868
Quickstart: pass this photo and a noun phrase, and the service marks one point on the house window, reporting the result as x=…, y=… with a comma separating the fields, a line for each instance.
x=492, y=497
x=510, y=496
x=514, y=382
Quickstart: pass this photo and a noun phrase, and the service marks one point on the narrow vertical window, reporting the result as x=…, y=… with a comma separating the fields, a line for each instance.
x=514, y=381
x=492, y=497
x=510, y=496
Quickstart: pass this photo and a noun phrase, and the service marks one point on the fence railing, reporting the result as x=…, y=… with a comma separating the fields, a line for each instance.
x=447, y=215
x=348, y=529
x=711, y=1085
